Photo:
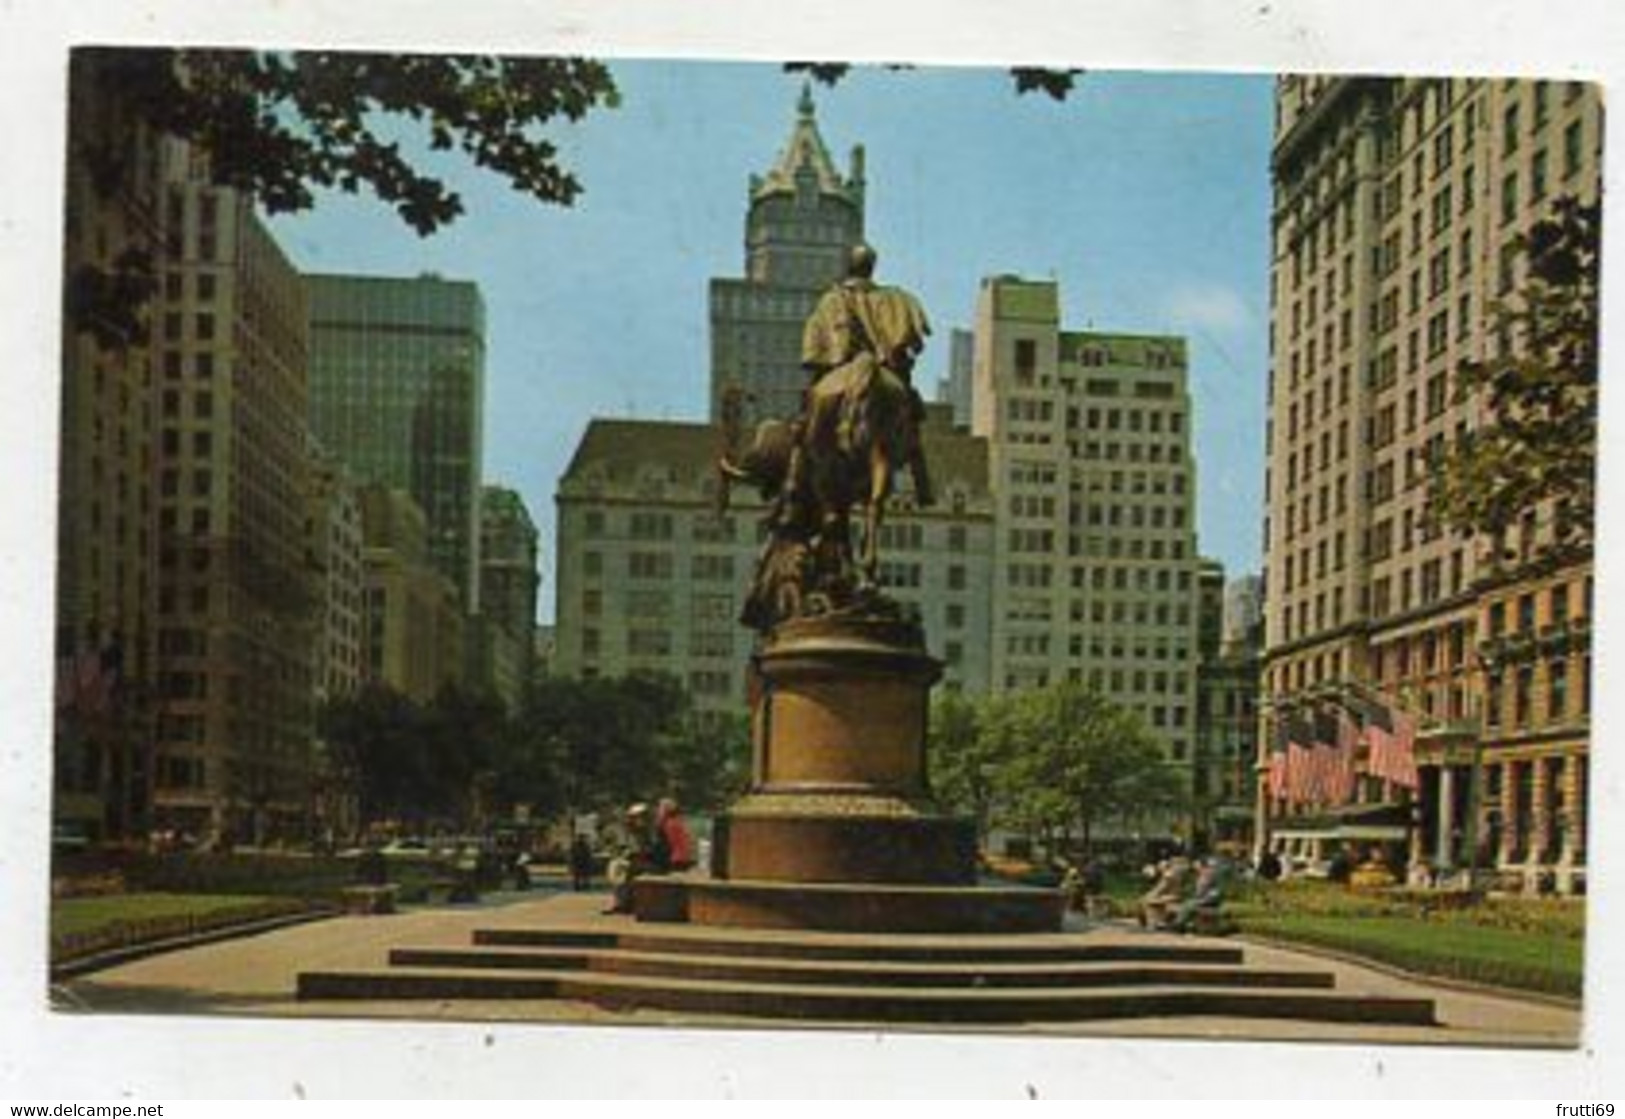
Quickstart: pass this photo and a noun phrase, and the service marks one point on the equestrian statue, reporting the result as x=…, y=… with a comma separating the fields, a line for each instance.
x=858, y=426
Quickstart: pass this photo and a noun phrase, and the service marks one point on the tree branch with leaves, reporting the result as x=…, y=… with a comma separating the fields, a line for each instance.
x=1538, y=444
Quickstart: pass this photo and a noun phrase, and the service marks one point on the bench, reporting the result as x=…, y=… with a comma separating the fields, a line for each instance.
x=458, y=890
x=1211, y=920
x=368, y=901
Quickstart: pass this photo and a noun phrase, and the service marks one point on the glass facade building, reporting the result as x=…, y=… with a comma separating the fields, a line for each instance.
x=397, y=380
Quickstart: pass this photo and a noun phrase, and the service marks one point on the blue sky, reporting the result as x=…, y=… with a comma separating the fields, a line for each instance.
x=1146, y=196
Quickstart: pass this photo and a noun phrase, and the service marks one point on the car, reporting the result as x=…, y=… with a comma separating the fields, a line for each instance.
x=406, y=849
x=67, y=838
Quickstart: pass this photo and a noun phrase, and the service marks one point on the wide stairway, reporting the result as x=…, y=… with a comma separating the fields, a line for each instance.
x=859, y=978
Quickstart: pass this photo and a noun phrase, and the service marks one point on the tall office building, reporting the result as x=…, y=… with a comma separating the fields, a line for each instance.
x=1089, y=455
x=954, y=390
x=107, y=549
x=802, y=220
x=333, y=549
x=1230, y=640
x=651, y=579
x=413, y=624
x=333, y=542
x=397, y=383
x=502, y=638
x=236, y=597
x=1397, y=208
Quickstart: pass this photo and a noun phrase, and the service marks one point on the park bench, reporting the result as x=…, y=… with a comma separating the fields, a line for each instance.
x=368, y=901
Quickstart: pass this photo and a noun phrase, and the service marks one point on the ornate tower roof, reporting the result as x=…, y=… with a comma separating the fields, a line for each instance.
x=804, y=152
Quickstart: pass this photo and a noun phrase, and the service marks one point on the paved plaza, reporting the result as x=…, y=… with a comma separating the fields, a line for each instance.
x=256, y=975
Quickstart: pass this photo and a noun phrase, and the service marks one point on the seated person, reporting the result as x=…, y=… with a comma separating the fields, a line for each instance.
x=1157, y=906
x=1207, y=895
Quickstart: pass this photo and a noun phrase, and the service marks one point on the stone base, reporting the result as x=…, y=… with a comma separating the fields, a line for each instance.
x=854, y=839
x=847, y=907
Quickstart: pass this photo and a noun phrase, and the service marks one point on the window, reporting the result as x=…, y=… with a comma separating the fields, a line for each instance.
x=1571, y=150
x=1524, y=686
x=1026, y=359
x=1509, y=198
x=1557, y=688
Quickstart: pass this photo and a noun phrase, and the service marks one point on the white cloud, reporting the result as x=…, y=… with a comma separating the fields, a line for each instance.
x=1208, y=307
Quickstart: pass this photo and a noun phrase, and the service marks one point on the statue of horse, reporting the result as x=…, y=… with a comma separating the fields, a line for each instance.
x=858, y=426
x=860, y=429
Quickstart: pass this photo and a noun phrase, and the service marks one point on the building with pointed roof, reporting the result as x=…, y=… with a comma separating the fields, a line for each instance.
x=803, y=218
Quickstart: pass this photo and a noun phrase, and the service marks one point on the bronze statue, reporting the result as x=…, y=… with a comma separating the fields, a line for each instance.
x=858, y=425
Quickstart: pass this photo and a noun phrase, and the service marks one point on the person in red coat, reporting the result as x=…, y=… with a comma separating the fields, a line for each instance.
x=673, y=834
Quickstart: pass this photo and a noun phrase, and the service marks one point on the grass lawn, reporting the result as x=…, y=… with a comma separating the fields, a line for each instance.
x=81, y=926
x=71, y=916
x=1452, y=946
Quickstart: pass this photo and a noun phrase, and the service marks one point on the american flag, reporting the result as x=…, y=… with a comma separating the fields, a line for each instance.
x=1297, y=761
x=87, y=681
x=1323, y=782
x=1391, y=736
x=1278, y=747
x=1342, y=780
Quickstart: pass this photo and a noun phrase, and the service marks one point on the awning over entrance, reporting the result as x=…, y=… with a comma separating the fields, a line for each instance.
x=1371, y=823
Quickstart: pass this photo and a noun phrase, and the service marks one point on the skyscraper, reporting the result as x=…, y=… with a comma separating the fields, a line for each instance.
x=1089, y=460
x=1398, y=204
x=237, y=601
x=802, y=220
x=397, y=383
x=505, y=633
x=107, y=549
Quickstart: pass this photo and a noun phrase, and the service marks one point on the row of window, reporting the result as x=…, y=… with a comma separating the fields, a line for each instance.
x=1509, y=697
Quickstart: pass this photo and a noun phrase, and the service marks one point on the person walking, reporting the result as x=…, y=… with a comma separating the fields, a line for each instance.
x=580, y=863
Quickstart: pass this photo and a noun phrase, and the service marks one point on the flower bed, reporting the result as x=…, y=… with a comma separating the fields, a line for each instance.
x=1526, y=944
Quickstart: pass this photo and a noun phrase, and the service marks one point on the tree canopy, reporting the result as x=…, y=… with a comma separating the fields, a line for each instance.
x=280, y=125
x=1059, y=760
x=1538, y=445
x=572, y=745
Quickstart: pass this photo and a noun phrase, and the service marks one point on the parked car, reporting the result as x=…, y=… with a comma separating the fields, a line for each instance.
x=409, y=848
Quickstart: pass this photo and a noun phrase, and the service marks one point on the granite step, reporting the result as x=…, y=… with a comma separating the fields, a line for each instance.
x=867, y=1004
x=1056, y=948
x=935, y=974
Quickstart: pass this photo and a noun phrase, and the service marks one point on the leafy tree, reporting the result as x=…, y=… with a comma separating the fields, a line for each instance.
x=1078, y=760
x=377, y=734
x=1028, y=79
x=706, y=763
x=1539, y=444
x=964, y=761
x=281, y=124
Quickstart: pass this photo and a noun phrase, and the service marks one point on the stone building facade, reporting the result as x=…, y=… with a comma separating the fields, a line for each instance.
x=803, y=218
x=1095, y=566
x=412, y=618
x=502, y=637
x=651, y=579
x=107, y=546
x=237, y=601
x=1397, y=208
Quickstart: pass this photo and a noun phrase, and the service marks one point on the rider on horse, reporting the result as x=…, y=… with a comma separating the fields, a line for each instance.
x=857, y=320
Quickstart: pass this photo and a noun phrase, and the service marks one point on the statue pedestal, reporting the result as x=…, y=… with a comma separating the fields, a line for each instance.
x=840, y=788
x=839, y=831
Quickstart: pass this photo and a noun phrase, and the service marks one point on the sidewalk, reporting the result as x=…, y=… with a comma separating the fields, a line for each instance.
x=255, y=975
